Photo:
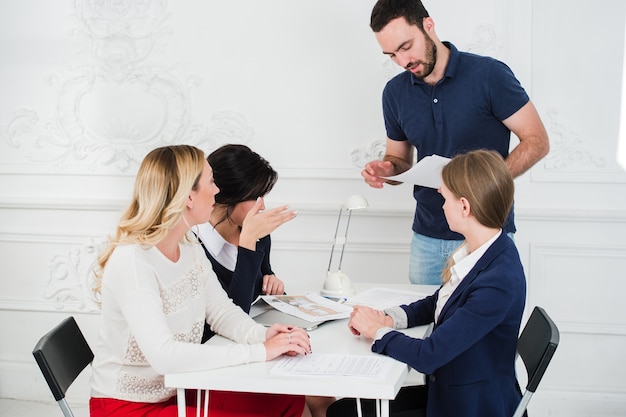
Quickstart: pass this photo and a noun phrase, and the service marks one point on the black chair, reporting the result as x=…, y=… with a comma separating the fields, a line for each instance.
x=62, y=354
x=536, y=346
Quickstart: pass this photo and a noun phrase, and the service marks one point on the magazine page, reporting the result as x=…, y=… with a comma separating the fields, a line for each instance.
x=311, y=307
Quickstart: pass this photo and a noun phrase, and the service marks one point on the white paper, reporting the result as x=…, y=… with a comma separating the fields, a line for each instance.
x=310, y=307
x=427, y=172
x=381, y=298
x=333, y=365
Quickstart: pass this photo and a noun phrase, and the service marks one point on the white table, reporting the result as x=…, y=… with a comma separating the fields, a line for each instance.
x=332, y=337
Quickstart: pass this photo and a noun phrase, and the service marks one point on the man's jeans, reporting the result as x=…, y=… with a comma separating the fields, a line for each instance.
x=429, y=256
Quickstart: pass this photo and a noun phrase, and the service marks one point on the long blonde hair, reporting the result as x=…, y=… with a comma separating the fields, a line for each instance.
x=162, y=186
x=481, y=177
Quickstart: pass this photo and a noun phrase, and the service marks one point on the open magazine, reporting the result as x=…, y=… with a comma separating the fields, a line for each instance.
x=310, y=307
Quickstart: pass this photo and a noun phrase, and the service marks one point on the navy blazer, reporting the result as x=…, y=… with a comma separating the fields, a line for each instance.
x=469, y=358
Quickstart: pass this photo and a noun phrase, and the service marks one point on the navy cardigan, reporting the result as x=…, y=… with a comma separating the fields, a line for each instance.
x=245, y=283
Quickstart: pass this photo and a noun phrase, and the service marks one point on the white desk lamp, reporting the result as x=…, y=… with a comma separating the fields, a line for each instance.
x=337, y=283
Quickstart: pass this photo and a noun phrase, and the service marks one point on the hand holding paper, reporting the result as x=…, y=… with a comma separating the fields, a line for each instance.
x=427, y=172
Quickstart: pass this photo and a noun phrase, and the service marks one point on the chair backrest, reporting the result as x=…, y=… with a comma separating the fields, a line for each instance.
x=536, y=346
x=62, y=354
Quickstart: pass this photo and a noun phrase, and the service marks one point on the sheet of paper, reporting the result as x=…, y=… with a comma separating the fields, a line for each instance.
x=333, y=365
x=310, y=307
x=381, y=298
x=427, y=172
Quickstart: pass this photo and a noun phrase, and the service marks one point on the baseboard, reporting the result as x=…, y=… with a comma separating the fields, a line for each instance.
x=24, y=381
x=577, y=404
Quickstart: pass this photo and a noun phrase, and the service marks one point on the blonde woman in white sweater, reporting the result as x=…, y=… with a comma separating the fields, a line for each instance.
x=157, y=289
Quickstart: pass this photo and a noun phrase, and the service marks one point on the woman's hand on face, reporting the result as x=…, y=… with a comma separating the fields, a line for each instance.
x=284, y=339
x=259, y=223
x=272, y=285
x=366, y=321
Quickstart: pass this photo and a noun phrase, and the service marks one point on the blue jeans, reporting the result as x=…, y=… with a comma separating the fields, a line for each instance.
x=428, y=257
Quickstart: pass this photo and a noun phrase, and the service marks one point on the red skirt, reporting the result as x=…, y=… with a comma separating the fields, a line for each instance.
x=221, y=404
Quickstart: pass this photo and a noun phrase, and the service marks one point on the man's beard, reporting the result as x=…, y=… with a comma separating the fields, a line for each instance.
x=429, y=64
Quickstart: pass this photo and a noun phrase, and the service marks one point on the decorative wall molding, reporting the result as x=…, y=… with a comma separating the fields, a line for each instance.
x=71, y=278
x=69, y=144
x=115, y=205
x=121, y=32
x=68, y=286
x=62, y=204
x=485, y=41
x=97, y=126
x=46, y=238
x=70, y=274
x=574, y=159
x=39, y=306
x=556, y=268
x=379, y=247
x=562, y=215
x=571, y=215
x=362, y=155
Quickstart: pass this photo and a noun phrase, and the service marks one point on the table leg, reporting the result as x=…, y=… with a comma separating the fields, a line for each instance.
x=206, y=403
x=383, y=411
x=180, y=400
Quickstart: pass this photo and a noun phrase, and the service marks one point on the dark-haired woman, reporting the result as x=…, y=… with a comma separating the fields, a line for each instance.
x=237, y=237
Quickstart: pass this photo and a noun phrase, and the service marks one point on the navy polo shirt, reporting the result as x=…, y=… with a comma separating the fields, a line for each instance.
x=462, y=112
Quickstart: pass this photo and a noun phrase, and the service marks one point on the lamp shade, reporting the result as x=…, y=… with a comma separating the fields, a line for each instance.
x=355, y=202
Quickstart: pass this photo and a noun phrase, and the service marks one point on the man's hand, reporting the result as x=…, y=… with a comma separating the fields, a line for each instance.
x=374, y=172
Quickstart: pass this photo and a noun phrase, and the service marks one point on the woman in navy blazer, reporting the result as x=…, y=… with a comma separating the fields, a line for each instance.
x=469, y=357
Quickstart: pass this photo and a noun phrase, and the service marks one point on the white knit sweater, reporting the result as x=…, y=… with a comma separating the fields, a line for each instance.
x=153, y=314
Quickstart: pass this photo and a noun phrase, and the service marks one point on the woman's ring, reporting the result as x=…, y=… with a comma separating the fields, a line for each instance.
x=289, y=338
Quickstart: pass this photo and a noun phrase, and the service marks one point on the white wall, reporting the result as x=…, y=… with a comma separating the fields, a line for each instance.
x=87, y=88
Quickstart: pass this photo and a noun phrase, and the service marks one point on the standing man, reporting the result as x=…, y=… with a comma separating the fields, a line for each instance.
x=446, y=102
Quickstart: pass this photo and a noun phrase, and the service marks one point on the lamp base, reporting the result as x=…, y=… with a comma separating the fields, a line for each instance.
x=337, y=284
